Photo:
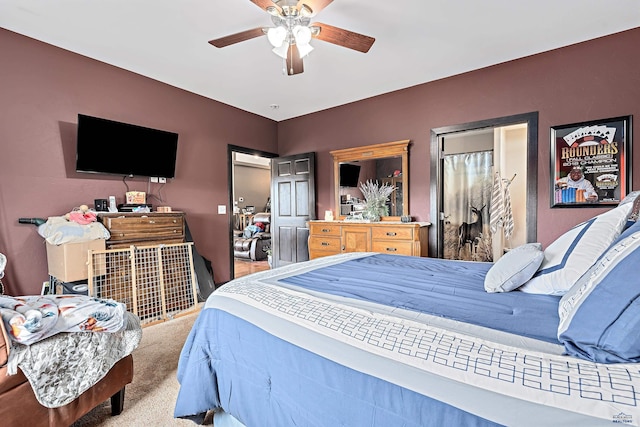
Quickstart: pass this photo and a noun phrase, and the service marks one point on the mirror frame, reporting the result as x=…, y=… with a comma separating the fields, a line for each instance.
x=369, y=152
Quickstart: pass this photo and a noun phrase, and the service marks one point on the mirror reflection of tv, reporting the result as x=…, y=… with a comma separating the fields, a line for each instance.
x=349, y=175
x=110, y=147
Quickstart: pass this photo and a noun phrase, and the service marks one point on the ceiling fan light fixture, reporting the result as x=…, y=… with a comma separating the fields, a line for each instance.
x=281, y=50
x=304, y=49
x=302, y=35
x=276, y=36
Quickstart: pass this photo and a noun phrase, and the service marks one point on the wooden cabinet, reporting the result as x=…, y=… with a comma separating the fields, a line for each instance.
x=356, y=238
x=395, y=202
x=334, y=237
x=143, y=229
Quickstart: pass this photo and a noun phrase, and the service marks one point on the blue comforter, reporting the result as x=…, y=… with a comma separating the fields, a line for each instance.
x=233, y=360
x=451, y=289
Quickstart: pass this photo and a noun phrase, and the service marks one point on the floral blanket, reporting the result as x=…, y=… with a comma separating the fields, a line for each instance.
x=62, y=367
x=29, y=319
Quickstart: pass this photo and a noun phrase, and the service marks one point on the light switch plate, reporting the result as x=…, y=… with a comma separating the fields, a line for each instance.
x=222, y=209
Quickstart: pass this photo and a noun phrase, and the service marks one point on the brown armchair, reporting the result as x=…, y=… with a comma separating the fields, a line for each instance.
x=19, y=406
x=254, y=246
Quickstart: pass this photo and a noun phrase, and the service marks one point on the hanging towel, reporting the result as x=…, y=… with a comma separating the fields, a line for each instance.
x=496, y=213
x=507, y=223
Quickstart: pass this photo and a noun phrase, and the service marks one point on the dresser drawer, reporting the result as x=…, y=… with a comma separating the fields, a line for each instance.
x=325, y=244
x=392, y=247
x=324, y=229
x=145, y=228
x=392, y=233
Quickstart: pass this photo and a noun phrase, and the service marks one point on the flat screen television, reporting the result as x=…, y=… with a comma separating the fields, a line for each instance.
x=349, y=175
x=110, y=147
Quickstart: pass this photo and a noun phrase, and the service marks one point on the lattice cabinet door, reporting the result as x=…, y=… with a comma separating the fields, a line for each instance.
x=155, y=282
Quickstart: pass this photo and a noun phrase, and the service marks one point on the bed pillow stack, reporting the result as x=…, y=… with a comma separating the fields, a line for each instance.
x=514, y=268
x=600, y=315
x=573, y=253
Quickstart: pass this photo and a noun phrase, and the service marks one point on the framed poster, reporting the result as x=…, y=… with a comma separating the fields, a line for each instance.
x=590, y=162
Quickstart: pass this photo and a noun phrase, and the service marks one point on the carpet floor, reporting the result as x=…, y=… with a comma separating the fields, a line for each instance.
x=150, y=398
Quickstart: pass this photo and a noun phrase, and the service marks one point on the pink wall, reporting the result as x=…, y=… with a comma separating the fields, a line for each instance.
x=43, y=88
x=589, y=81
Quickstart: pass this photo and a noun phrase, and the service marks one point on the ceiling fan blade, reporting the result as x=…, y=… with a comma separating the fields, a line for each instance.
x=294, y=62
x=317, y=5
x=342, y=37
x=237, y=38
x=262, y=4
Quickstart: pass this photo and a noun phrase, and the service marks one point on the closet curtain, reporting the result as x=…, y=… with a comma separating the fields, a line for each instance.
x=467, y=188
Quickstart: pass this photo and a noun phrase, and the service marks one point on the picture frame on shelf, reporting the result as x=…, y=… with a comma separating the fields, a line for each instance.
x=590, y=162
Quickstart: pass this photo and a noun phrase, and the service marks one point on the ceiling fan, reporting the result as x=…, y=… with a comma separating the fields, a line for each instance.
x=293, y=31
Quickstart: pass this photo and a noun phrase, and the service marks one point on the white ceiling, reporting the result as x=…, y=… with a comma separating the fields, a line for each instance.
x=417, y=41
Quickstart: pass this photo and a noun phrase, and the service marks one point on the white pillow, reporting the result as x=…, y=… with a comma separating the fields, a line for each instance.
x=514, y=268
x=573, y=253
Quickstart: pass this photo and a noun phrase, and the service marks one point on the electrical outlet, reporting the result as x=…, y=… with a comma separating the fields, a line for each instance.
x=222, y=209
x=154, y=179
x=162, y=180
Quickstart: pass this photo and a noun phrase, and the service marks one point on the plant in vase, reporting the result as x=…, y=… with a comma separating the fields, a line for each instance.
x=376, y=197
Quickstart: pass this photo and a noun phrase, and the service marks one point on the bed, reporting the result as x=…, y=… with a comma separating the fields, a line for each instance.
x=541, y=337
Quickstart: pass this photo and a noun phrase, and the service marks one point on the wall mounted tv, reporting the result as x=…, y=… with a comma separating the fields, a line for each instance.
x=110, y=147
x=349, y=175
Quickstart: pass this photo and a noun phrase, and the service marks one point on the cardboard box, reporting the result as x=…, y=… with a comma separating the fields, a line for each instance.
x=68, y=262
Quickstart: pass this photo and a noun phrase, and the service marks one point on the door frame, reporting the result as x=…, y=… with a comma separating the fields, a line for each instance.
x=436, y=191
x=230, y=150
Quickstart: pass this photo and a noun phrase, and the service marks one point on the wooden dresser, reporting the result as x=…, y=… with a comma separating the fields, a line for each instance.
x=335, y=237
x=143, y=229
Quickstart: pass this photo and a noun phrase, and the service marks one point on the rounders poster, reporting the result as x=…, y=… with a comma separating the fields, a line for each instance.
x=590, y=162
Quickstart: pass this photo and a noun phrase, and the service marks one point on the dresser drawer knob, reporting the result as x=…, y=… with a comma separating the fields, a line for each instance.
x=151, y=221
x=175, y=231
x=326, y=230
x=325, y=243
x=391, y=249
x=391, y=233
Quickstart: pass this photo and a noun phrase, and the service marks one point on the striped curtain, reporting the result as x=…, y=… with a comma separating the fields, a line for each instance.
x=501, y=214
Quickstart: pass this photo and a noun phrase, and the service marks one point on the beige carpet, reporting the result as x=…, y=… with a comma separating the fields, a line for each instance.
x=150, y=398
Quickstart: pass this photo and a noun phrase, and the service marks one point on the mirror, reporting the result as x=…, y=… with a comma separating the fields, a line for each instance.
x=387, y=163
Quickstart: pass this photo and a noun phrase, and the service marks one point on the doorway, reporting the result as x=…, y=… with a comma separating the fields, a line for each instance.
x=249, y=198
x=477, y=168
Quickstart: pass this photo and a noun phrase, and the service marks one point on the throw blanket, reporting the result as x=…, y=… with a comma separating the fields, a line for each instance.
x=64, y=366
x=57, y=230
x=29, y=319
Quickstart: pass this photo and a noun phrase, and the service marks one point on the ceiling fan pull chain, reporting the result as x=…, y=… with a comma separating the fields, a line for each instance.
x=291, y=59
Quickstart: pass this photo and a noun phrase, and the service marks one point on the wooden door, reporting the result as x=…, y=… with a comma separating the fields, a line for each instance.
x=293, y=204
x=356, y=239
